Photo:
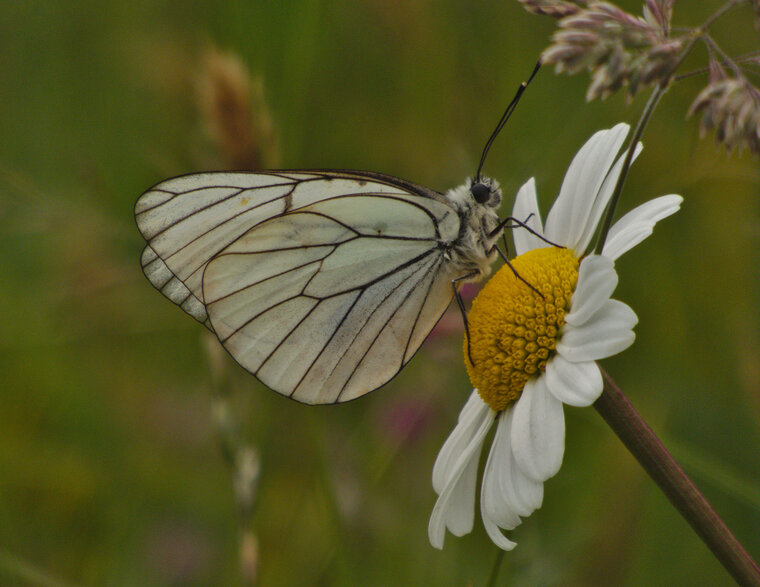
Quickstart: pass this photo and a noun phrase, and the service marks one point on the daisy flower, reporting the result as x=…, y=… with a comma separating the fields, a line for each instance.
x=533, y=353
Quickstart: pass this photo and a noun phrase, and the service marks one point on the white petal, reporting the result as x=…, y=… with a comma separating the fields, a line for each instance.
x=608, y=332
x=602, y=199
x=597, y=280
x=574, y=384
x=467, y=424
x=638, y=224
x=460, y=508
x=454, y=509
x=523, y=493
x=567, y=220
x=526, y=210
x=495, y=534
x=495, y=509
x=493, y=502
x=538, y=431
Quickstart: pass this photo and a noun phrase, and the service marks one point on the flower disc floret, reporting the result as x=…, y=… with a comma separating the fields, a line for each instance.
x=513, y=330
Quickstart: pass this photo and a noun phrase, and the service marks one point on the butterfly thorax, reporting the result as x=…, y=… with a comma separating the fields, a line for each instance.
x=473, y=251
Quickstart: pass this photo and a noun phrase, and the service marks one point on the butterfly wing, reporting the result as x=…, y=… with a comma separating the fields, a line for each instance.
x=321, y=284
x=189, y=219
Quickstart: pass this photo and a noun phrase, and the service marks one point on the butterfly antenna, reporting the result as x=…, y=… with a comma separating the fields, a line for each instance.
x=504, y=117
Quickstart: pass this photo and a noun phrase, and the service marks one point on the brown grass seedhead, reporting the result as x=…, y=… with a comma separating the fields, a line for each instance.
x=235, y=115
x=617, y=48
x=730, y=106
x=658, y=13
x=553, y=8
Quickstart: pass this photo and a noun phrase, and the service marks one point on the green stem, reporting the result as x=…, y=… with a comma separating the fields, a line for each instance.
x=495, y=569
x=720, y=12
x=18, y=570
x=751, y=56
x=643, y=120
x=241, y=457
x=649, y=451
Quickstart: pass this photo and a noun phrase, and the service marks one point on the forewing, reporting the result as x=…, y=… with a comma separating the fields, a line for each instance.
x=327, y=303
x=188, y=220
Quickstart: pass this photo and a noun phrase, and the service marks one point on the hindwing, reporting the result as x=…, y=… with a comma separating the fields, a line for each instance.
x=321, y=284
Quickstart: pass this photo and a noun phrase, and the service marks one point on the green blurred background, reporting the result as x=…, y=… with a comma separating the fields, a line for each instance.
x=111, y=471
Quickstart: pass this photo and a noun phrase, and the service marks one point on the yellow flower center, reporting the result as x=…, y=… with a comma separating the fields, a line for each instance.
x=513, y=330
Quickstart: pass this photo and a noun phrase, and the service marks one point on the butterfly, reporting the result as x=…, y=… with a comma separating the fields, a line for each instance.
x=320, y=283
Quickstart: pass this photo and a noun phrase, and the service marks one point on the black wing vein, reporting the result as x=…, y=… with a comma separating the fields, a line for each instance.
x=356, y=329
x=433, y=267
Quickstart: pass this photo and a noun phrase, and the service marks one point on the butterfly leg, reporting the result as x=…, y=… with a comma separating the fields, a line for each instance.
x=520, y=277
x=521, y=224
x=460, y=303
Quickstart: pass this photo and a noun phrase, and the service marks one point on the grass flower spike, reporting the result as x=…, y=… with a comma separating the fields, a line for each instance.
x=533, y=353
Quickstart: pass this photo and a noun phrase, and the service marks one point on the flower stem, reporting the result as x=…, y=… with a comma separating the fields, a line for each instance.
x=639, y=438
x=495, y=569
x=720, y=12
x=640, y=126
x=750, y=57
x=240, y=456
x=19, y=571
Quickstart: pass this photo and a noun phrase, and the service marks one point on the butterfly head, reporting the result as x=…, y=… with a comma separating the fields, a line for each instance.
x=486, y=191
x=482, y=193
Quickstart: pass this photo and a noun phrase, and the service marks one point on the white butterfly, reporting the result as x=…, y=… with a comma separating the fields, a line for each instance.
x=322, y=284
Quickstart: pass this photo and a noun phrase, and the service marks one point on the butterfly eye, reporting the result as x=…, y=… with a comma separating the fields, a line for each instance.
x=480, y=192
